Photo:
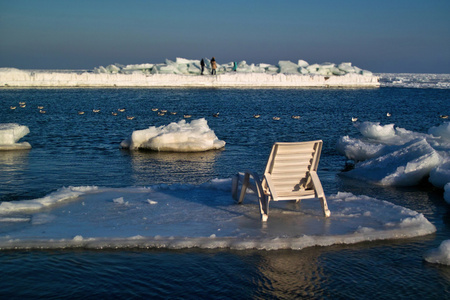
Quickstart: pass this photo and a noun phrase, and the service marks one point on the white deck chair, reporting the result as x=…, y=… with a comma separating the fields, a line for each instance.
x=291, y=174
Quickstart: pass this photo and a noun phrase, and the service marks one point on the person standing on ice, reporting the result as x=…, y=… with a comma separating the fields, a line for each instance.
x=202, y=64
x=213, y=66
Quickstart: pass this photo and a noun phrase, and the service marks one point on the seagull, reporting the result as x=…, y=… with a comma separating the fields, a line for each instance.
x=256, y=116
x=130, y=117
x=96, y=110
x=443, y=116
x=40, y=107
x=13, y=107
x=154, y=109
x=216, y=115
x=354, y=119
x=161, y=113
x=163, y=110
x=276, y=118
x=388, y=114
x=42, y=111
x=121, y=109
x=114, y=113
x=296, y=117
x=173, y=112
x=187, y=116
x=22, y=105
x=81, y=112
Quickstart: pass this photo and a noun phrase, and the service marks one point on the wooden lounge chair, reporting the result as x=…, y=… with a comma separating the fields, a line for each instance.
x=291, y=174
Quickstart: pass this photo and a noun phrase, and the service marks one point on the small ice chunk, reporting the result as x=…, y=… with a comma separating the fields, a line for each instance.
x=441, y=255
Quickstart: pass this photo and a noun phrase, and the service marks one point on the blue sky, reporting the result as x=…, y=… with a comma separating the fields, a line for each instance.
x=381, y=36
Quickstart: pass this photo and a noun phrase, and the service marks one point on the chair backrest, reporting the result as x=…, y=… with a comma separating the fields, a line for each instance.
x=289, y=165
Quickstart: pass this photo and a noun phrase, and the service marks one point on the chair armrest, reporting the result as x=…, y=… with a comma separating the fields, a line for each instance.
x=317, y=184
x=246, y=182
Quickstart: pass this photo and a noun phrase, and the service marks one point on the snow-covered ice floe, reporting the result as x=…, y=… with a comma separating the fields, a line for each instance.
x=441, y=255
x=10, y=134
x=175, y=137
x=205, y=216
x=390, y=155
x=186, y=73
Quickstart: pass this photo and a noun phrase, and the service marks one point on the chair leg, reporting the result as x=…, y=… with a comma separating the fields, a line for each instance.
x=244, y=187
x=324, y=203
x=234, y=186
x=264, y=207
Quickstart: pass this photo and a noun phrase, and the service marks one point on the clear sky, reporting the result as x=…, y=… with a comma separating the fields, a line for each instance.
x=380, y=36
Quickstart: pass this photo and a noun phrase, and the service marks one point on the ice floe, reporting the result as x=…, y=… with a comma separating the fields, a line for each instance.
x=441, y=255
x=388, y=155
x=205, y=216
x=10, y=134
x=195, y=136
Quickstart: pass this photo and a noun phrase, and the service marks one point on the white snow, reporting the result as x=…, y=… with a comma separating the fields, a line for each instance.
x=206, y=216
x=395, y=156
x=10, y=134
x=186, y=73
x=441, y=255
x=175, y=137
x=415, y=80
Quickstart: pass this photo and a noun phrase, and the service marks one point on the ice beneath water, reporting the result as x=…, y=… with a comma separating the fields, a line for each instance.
x=205, y=216
x=175, y=137
x=10, y=134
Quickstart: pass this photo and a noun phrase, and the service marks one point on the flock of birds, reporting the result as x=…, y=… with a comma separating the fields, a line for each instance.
x=162, y=112
x=388, y=114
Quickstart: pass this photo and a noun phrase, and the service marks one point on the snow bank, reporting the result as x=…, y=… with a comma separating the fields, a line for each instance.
x=186, y=73
x=395, y=156
x=176, y=137
x=441, y=255
x=10, y=134
x=205, y=216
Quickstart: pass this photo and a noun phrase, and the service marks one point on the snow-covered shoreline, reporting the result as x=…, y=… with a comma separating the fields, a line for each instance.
x=19, y=78
x=187, y=73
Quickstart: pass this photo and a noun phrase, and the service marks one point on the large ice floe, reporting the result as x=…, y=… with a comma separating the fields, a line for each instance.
x=388, y=155
x=186, y=73
x=10, y=134
x=185, y=216
x=175, y=137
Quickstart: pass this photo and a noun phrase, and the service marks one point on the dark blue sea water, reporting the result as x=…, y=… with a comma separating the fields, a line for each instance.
x=69, y=149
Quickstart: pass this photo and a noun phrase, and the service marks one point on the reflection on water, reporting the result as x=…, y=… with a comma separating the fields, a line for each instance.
x=173, y=167
x=291, y=274
x=12, y=166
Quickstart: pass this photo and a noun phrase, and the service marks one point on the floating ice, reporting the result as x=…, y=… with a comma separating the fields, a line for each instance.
x=175, y=137
x=396, y=156
x=10, y=134
x=441, y=255
x=206, y=216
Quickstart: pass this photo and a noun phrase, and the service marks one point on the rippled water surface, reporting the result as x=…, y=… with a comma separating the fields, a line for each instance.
x=69, y=149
